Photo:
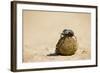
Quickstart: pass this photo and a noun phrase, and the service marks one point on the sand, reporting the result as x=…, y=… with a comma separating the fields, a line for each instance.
x=42, y=30
x=42, y=55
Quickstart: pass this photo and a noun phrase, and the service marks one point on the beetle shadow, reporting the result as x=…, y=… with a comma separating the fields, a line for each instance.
x=53, y=54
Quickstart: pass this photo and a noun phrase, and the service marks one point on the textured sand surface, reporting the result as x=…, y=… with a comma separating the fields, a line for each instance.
x=42, y=29
x=38, y=55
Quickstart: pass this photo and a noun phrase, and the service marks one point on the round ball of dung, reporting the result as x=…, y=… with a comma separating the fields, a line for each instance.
x=66, y=46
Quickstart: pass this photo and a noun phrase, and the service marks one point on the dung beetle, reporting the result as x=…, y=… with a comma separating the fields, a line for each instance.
x=67, y=33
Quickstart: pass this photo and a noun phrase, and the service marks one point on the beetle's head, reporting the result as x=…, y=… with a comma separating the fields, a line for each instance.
x=68, y=33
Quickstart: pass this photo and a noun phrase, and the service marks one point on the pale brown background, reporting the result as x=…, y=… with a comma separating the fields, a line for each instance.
x=41, y=31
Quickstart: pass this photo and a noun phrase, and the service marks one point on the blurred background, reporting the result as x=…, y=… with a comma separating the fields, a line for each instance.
x=42, y=29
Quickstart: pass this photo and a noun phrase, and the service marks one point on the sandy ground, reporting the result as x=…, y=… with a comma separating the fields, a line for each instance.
x=39, y=55
x=42, y=30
